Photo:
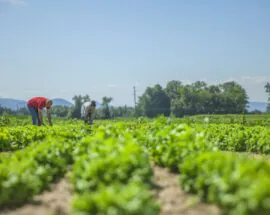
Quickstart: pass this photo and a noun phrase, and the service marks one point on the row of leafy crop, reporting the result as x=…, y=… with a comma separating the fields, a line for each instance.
x=239, y=138
x=241, y=119
x=29, y=171
x=225, y=137
x=238, y=184
x=25, y=120
x=13, y=138
x=4, y=121
x=112, y=175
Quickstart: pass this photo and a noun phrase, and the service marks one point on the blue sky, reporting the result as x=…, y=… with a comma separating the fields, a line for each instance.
x=104, y=48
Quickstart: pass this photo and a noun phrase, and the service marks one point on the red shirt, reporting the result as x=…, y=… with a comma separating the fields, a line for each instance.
x=37, y=102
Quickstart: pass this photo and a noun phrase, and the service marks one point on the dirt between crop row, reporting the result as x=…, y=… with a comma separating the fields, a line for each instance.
x=55, y=201
x=173, y=200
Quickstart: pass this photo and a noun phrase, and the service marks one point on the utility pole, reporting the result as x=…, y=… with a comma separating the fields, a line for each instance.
x=134, y=94
x=135, y=102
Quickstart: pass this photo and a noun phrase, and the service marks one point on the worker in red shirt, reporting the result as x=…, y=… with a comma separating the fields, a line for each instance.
x=35, y=105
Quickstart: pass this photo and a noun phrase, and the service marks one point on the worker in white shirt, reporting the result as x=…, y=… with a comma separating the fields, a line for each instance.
x=87, y=111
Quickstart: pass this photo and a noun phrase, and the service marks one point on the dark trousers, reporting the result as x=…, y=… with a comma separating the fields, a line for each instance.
x=34, y=114
x=87, y=119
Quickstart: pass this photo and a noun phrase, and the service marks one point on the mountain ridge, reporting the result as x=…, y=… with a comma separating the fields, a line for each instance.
x=261, y=106
x=17, y=103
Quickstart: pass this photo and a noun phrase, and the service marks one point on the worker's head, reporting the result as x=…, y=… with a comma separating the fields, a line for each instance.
x=49, y=103
x=93, y=103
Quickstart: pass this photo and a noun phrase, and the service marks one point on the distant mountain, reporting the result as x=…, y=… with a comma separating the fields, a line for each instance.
x=261, y=106
x=61, y=102
x=12, y=103
x=98, y=105
x=15, y=103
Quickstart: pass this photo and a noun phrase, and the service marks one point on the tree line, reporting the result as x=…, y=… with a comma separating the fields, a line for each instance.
x=105, y=111
x=189, y=99
x=175, y=98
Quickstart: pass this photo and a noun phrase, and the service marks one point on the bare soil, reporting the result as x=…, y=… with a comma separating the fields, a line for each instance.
x=53, y=202
x=173, y=200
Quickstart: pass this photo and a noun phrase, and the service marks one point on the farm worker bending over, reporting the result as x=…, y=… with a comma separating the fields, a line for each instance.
x=87, y=111
x=35, y=105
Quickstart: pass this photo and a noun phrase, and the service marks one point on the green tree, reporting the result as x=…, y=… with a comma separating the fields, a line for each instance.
x=189, y=99
x=105, y=107
x=199, y=85
x=199, y=98
x=61, y=111
x=4, y=110
x=154, y=102
x=122, y=111
x=173, y=90
x=78, y=101
x=214, y=104
x=86, y=98
x=234, y=97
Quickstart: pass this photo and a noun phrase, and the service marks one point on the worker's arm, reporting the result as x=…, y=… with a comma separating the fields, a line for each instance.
x=92, y=110
x=49, y=117
x=86, y=111
x=40, y=116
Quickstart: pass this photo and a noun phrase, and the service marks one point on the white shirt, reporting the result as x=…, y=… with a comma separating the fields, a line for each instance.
x=86, y=108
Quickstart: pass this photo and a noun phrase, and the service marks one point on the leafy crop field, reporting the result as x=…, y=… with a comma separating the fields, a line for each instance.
x=128, y=167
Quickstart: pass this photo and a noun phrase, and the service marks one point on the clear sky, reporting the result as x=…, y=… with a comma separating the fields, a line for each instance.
x=105, y=47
